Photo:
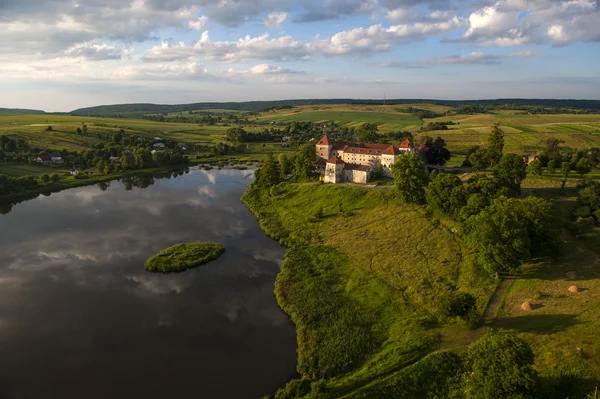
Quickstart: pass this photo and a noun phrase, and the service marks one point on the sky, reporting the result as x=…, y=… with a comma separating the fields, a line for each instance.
x=59, y=55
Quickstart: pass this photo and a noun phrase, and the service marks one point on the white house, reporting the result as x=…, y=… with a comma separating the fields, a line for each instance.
x=74, y=172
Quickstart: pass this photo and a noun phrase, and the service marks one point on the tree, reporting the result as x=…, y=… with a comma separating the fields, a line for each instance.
x=78, y=131
x=127, y=161
x=583, y=166
x=84, y=128
x=461, y=305
x=447, y=194
x=285, y=165
x=409, y=178
x=268, y=175
x=534, y=168
x=367, y=133
x=509, y=231
x=304, y=167
x=552, y=149
x=510, y=171
x=436, y=152
x=55, y=178
x=45, y=178
x=551, y=166
x=495, y=144
x=236, y=135
x=479, y=159
x=49, y=128
x=142, y=158
x=501, y=367
x=117, y=138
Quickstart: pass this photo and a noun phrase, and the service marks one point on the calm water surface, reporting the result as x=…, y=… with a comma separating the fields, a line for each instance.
x=81, y=318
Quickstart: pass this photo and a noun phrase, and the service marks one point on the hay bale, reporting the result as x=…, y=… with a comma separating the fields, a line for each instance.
x=527, y=306
x=574, y=289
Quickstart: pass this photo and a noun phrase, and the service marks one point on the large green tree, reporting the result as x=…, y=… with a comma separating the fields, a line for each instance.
x=534, y=168
x=501, y=366
x=479, y=159
x=510, y=171
x=495, y=145
x=304, y=167
x=510, y=231
x=268, y=175
x=446, y=193
x=367, y=133
x=410, y=177
x=235, y=135
x=583, y=166
x=436, y=152
x=285, y=165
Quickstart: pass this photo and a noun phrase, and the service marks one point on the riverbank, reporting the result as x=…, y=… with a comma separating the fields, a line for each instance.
x=363, y=284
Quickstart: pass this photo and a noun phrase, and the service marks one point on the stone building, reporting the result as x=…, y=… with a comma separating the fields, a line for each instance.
x=352, y=162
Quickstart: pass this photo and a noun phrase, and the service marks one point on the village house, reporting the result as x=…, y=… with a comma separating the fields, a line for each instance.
x=44, y=159
x=341, y=161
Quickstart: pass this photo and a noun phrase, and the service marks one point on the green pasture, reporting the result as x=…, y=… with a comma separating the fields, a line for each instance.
x=385, y=121
x=23, y=169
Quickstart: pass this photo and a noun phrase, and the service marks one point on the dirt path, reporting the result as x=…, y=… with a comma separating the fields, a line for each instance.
x=495, y=301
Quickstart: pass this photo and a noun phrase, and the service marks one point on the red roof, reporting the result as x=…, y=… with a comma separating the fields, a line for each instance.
x=324, y=141
x=406, y=144
x=392, y=151
x=335, y=160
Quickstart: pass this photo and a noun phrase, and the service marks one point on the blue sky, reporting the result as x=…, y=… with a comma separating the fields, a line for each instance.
x=59, y=55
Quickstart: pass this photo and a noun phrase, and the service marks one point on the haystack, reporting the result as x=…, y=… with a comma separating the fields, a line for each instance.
x=573, y=289
x=527, y=306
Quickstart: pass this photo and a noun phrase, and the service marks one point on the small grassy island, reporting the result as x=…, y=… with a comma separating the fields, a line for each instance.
x=184, y=256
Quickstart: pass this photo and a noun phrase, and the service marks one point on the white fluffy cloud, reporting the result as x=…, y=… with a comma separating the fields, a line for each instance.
x=274, y=19
x=358, y=41
x=94, y=51
x=516, y=22
x=198, y=23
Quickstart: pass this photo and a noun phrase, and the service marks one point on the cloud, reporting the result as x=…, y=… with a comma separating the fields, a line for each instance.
x=334, y=9
x=198, y=23
x=93, y=51
x=475, y=58
x=358, y=41
x=274, y=19
x=266, y=69
x=516, y=22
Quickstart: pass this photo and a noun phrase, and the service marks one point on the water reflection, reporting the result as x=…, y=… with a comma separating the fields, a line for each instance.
x=79, y=316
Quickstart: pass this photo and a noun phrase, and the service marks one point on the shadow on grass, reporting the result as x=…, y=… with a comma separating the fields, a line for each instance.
x=568, y=385
x=537, y=324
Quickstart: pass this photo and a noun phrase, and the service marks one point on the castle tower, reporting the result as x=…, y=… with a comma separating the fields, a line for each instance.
x=324, y=147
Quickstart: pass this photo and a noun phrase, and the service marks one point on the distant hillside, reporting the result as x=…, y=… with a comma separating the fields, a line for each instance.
x=140, y=109
x=20, y=111
x=132, y=110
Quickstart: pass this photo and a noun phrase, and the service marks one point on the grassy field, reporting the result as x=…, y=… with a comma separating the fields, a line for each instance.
x=524, y=133
x=184, y=256
x=365, y=311
x=387, y=118
x=363, y=283
x=20, y=169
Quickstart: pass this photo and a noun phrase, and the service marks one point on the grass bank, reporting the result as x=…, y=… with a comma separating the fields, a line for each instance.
x=363, y=284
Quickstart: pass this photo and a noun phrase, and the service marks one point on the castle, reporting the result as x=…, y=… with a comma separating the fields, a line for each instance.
x=341, y=161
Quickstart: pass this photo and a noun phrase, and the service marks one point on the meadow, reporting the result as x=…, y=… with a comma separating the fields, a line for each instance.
x=365, y=275
x=365, y=312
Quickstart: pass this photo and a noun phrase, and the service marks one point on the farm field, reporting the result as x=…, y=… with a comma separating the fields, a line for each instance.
x=20, y=169
x=388, y=118
x=524, y=133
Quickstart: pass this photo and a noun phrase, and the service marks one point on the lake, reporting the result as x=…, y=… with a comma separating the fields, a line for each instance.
x=81, y=318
